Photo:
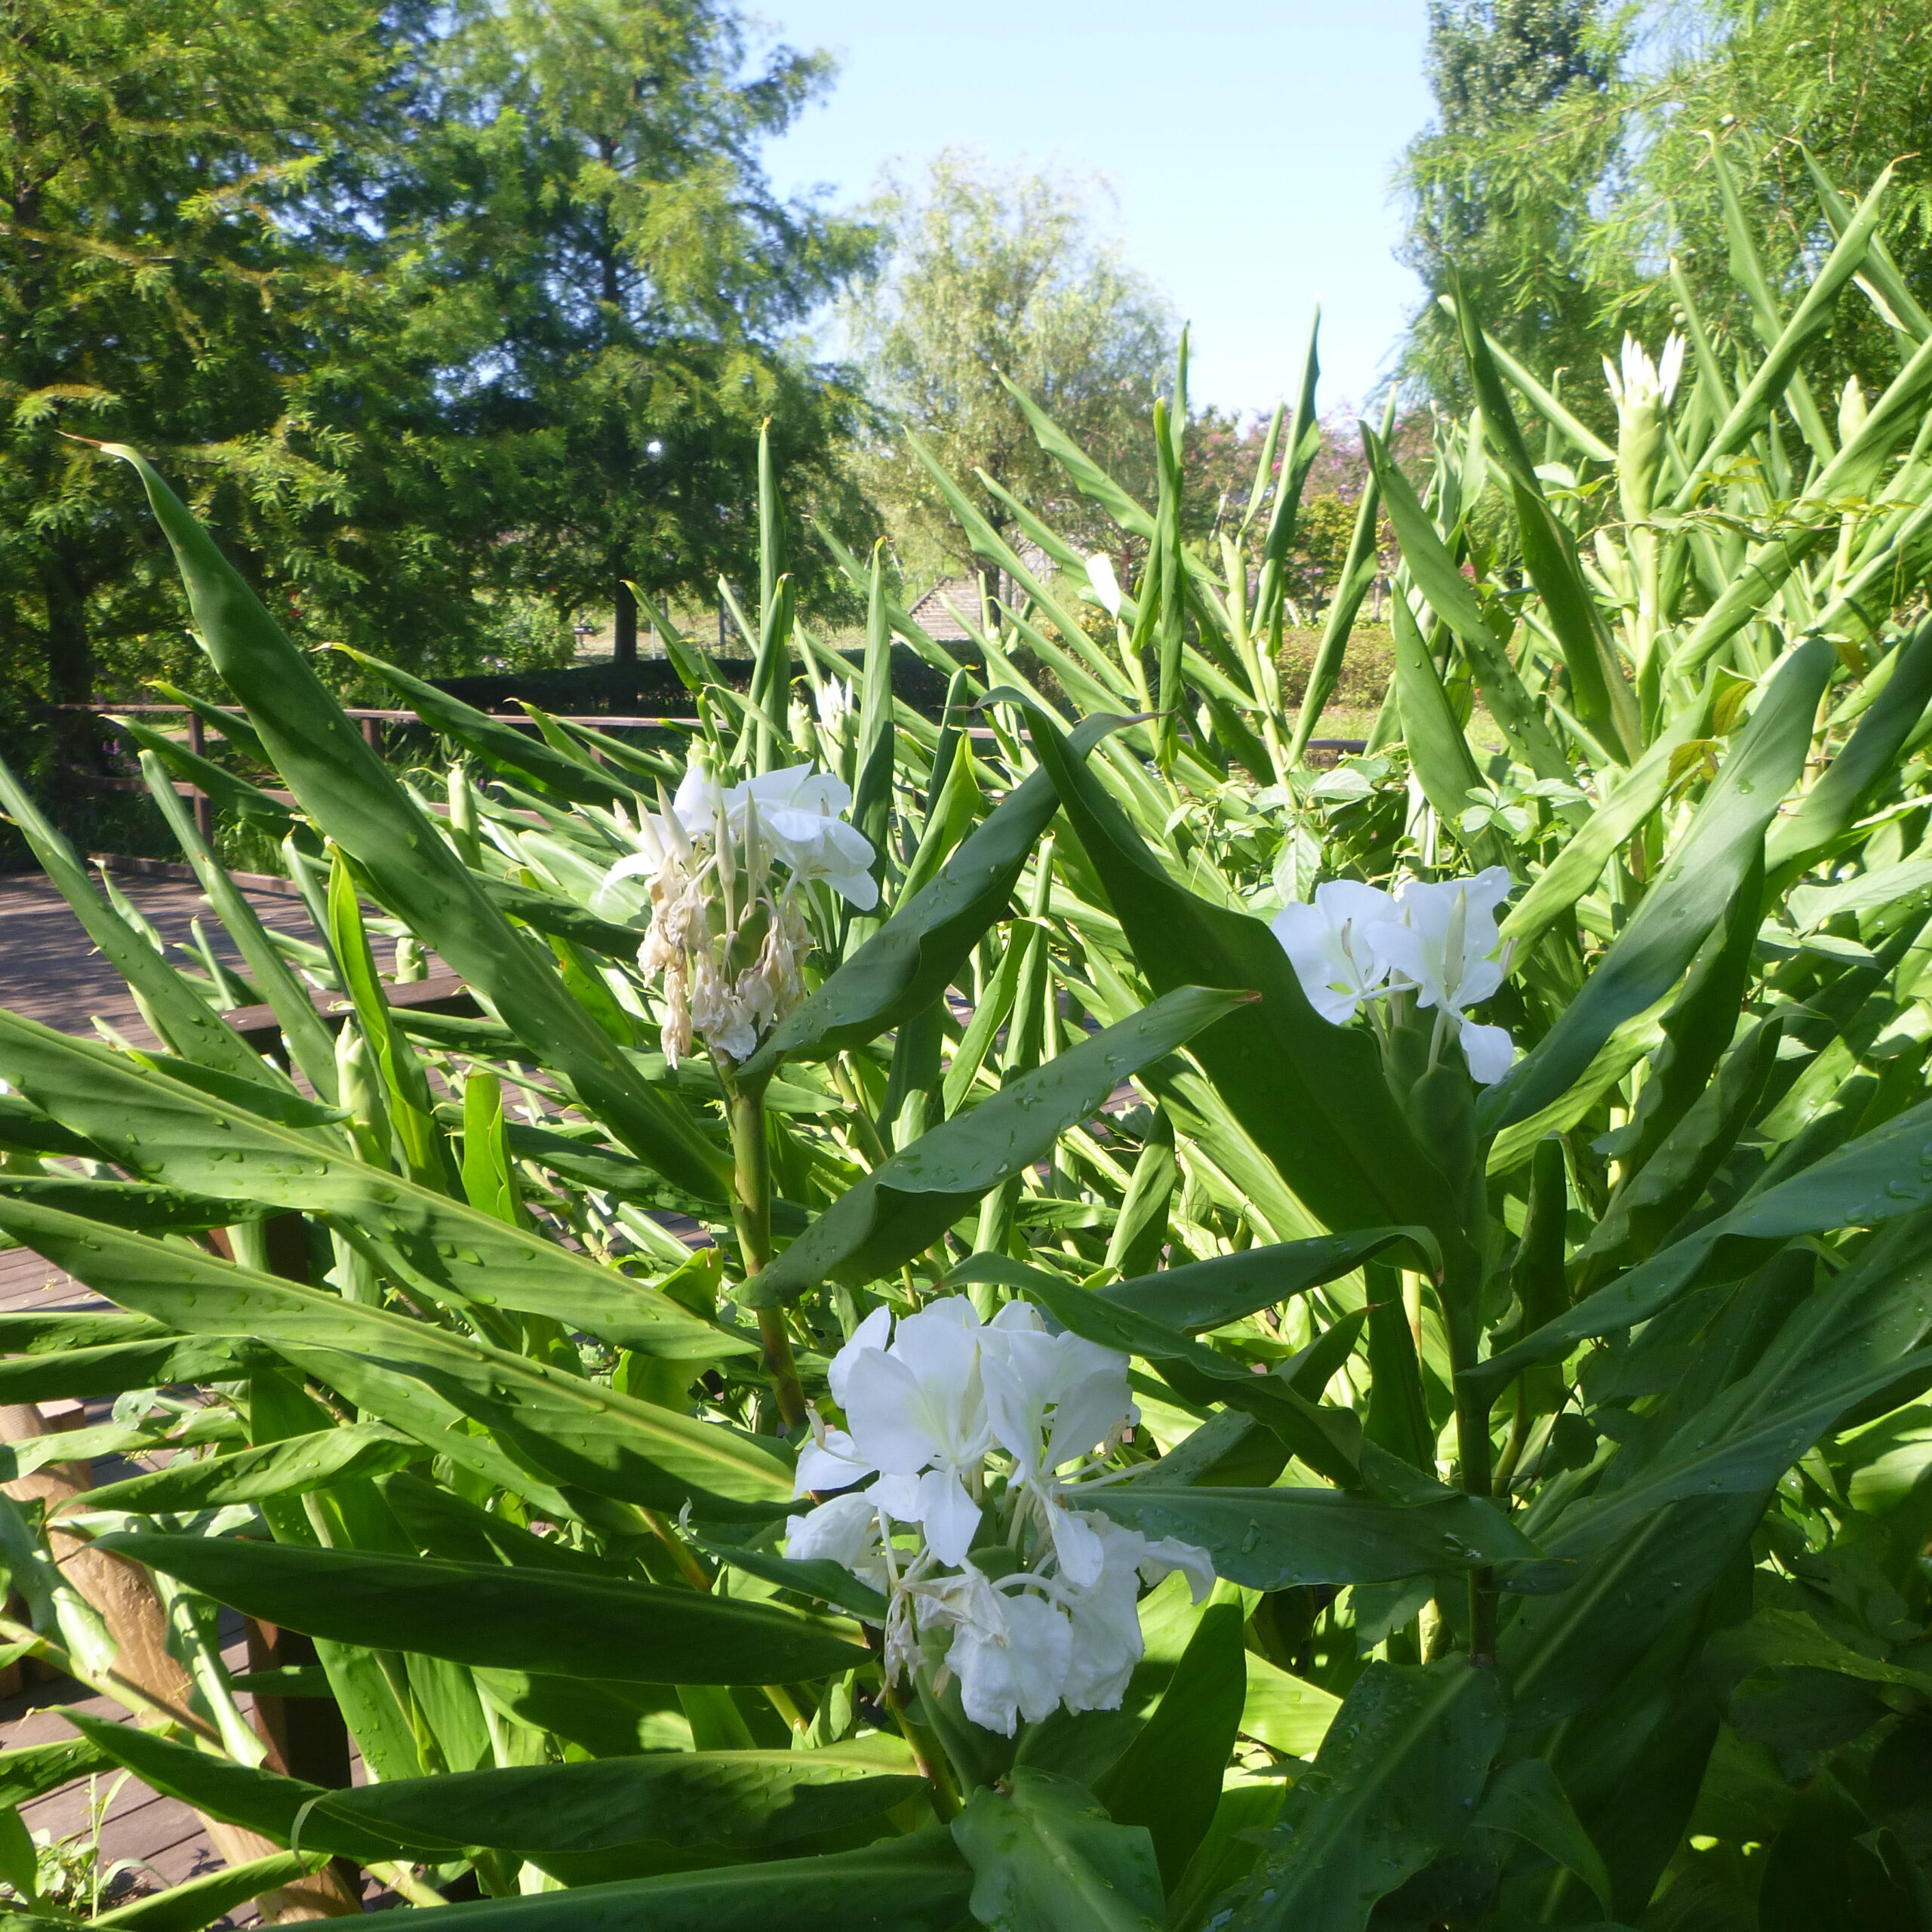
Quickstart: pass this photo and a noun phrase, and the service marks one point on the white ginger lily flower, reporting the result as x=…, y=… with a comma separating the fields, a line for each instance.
x=916, y=1413
x=799, y=814
x=844, y=1531
x=1442, y=945
x=1328, y=944
x=924, y=1404
x=1101, y=1603
x=1036, y=1383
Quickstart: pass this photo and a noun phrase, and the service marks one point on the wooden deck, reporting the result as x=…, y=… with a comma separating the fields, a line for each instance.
x=49, y=972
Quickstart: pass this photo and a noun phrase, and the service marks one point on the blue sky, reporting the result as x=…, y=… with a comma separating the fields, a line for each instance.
x=1248, y=147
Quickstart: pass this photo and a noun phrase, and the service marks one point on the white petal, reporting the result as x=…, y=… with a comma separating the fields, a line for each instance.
x=1489, y=1050
x=872, y=1333
x=886, y=1411
x=1106, y=585
x=1078, y=1545
x=833, y=1464
x=1040, y=1640
x=1088, y=1412
x=844, y=1531
x=949, y=1517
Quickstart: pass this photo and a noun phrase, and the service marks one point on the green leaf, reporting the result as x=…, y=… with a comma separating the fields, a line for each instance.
x=1811, y=906
x=1444, y=766
x=1604, y=701
x=904, y=1206
x=291, y=1467
x=1876, y=1178
x=48, y=1331
x=1527, y=1800
x=1717, y=852
x=355, y=799
x=1276, y=1539
x=501, y=746
x=1200, y=1295
x=196, y=1903
x=130, y=1204
x=1454, y=600
x=32, y=1770
x=1868, y=760
x=746, y=1799
x=832, y=1582
x=918, y=1884
x=550, y=1622
x=1046, y=1858
x=1394, y=1781
x=1169, y=1780
x=159, y=1125
x=263, y=1800
x=199, y=1902
x=176, y=1012
x=422, y=1378
x=302, y=1026
x=84, y=1372
x=1310, y=1095
x=1638, y=793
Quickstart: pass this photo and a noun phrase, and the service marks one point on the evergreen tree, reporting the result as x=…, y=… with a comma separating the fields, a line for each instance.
x=612, y=283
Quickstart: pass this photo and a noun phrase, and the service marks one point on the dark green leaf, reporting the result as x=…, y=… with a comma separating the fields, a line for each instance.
x=1396, y=1780
x=749, y=1799
x=1718, y=852
x=1046, y=1858
x=1275, y=1538
x=545, y=1621
x=289, y=1468
x=1169, y=1780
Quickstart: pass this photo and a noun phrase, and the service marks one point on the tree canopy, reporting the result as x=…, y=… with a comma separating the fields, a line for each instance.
x=443, y=309
x=1587, y=177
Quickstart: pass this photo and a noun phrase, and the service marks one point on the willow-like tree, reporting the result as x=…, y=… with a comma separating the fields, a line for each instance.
x=995, y=271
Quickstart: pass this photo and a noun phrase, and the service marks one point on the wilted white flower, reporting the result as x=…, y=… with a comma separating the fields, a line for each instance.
x=728, y=936
x=1327, y=946
x=985, y=1432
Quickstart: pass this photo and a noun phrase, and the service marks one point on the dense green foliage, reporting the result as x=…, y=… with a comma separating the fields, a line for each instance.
x=1558, y=1445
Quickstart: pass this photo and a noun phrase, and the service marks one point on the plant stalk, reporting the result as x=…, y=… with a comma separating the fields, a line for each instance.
x=751, y=1215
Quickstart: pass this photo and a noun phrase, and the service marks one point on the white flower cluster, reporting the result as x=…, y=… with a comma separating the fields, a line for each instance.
x=979, y=1438
x=1438, y=942
x=727, y=932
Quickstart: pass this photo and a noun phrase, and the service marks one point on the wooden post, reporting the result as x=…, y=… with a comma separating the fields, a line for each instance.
x=372, y=733
x=198, y=739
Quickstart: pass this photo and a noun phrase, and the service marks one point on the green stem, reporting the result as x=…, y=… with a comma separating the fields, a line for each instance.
x=751, y=1215
x=1474, y=1453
